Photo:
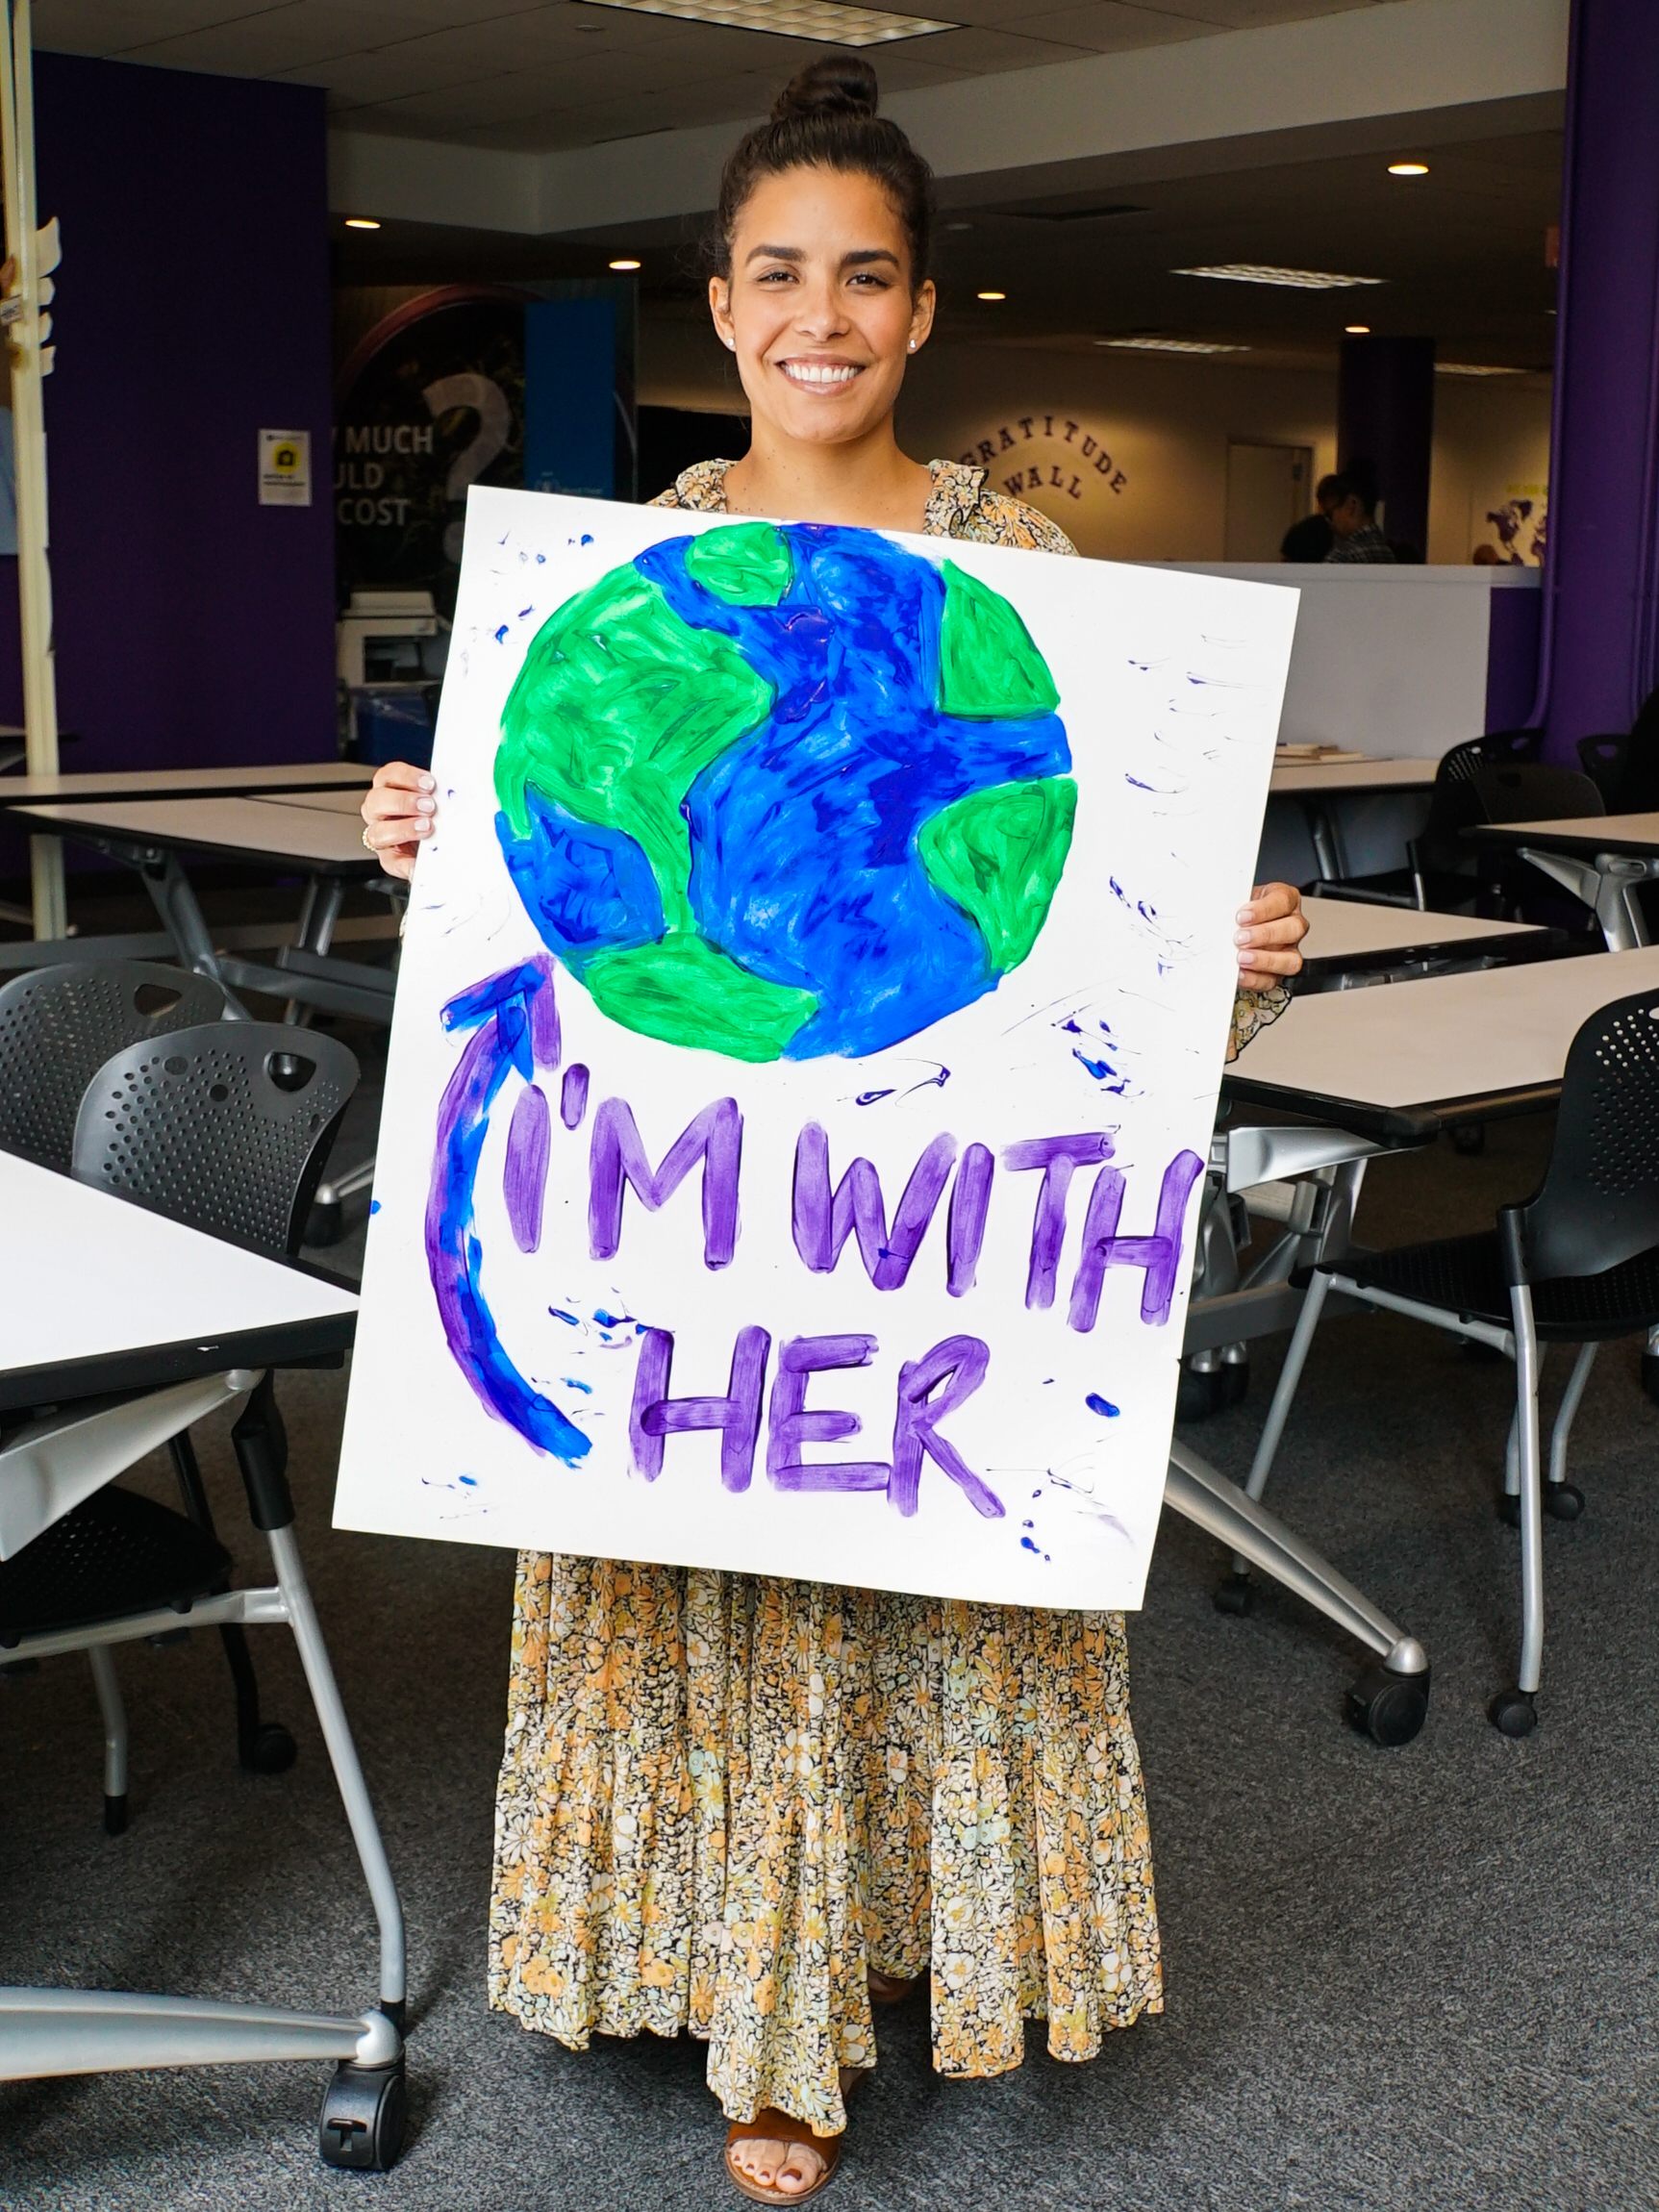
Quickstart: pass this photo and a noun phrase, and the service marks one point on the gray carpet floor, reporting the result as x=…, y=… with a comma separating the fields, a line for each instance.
x=1398, y=1981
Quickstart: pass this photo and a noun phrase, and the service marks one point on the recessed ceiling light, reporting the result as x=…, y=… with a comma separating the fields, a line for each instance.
x=623, y=264
x=1299, y=280
x=826, y=22
x=958, y=226
x=990, y=295
x=1473, y=368
x=1408, y=168
x=361, y=224
x=1169, y=345
x=1356, y=330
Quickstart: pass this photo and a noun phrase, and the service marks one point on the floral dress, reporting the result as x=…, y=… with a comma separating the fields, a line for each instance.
x=724, y=1796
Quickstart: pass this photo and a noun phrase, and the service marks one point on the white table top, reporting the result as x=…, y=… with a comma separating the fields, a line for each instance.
x=244, y=828
x=180, y=783
x=342, y=802
x=1589, y=834
x=1423, y=1044
x=1348, y=928
x=85, y=1276
x=1315, y=779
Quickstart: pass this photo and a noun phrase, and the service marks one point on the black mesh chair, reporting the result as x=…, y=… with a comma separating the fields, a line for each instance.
x=59, y=1025
x=1576, y=1263
x=1625, y=767
x=1442, y=874
x=225, y=1127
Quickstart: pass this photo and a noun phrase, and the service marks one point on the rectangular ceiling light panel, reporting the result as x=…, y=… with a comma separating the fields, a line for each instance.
x=1169, y=345
x=1472, y=369
x=825, y=22
x=1298, y=280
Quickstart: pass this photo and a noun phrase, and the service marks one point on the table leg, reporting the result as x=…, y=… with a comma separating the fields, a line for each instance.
x=175, y=900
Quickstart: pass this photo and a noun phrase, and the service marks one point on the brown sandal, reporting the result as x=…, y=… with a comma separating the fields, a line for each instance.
x=893, y=1991
x=773, y=2126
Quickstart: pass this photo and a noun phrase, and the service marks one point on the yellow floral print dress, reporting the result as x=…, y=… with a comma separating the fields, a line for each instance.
x=724, y=1796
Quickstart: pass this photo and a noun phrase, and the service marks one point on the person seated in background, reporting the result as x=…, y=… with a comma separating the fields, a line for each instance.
x=1309, y=539
x=1353, y=519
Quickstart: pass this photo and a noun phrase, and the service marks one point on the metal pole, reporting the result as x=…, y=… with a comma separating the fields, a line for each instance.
x=29, y=436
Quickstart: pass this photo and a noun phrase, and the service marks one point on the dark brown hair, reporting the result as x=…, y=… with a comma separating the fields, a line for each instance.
x=826, y=118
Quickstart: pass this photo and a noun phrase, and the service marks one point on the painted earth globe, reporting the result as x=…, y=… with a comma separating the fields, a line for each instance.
x=783, y=791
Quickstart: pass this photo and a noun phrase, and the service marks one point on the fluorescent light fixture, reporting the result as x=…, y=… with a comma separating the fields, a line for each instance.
x=1473, y=368
x=1356, y=330
x=990, y=295
x=1298, y=280
x=1408, y=168
x=1169, y=345
x=826, y=22
x=362, y=223
x=623, y=264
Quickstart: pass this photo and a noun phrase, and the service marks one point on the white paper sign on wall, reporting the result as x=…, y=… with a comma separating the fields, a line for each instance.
x=813, y=1004
x=285, y=467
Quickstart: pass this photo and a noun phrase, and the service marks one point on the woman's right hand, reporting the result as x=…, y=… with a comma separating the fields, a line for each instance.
x=398, y=810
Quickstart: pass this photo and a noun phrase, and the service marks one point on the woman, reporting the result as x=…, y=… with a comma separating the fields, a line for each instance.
x=749, y=1808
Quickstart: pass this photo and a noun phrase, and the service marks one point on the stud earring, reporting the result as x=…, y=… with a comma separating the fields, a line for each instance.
x=913, y=345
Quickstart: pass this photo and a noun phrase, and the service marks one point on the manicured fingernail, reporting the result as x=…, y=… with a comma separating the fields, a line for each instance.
x=1241, y=937
x=426, y=806
x=424, y=827
x=429, y=783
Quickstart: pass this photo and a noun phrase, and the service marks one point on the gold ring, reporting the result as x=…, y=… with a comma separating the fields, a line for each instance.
x=368, y=845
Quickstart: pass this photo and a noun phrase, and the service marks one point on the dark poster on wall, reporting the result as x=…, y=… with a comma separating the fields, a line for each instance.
x=433, y=399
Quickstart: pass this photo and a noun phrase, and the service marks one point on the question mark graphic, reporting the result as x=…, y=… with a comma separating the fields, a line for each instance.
x=489, y=402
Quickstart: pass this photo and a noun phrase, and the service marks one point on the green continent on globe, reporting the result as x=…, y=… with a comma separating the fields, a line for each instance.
x=989, y=669
x=686, y=991
x=746, y=566
x=998, y=854
x=619, y=707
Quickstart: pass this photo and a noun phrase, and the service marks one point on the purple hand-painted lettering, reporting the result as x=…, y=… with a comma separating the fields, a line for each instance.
x=965, y=1223
x=617, y=1157
x=1057, y=1157
x=955, y=1368
x=573, y=1097
x=525, y=1177
x=791, y=1425
x=1160, y=1253
x=656, y=1415
x=822, y=1224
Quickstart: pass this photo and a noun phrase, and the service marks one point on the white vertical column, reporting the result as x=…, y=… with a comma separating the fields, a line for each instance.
x=23, y=328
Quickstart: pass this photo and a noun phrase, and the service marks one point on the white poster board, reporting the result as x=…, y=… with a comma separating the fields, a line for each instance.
x=813, y=1004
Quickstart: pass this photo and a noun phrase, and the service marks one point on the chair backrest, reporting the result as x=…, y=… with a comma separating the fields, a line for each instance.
x=1639, y=785
x=1599, y=1202
x=1602, y=759
x=1534, y=792
x=1496, y=749
x=226, y=1127
x=59, y=1025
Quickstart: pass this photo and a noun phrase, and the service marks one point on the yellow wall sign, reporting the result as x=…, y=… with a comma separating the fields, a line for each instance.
x=285, y=467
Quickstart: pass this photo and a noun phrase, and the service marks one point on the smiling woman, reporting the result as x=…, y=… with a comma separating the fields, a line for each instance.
x=733, y=1805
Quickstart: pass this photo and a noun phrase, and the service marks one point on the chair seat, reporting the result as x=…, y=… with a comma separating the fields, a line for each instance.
x=117, y=1553
x=1465, y=1275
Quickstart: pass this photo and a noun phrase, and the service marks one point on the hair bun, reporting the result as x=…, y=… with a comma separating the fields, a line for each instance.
x=835, y=85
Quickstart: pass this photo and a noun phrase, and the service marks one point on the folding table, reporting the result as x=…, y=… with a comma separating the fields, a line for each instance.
x=126, y=1326
x=1356, y=939
x=1316, y=785
x=1601, y=859
x=1385, y=1070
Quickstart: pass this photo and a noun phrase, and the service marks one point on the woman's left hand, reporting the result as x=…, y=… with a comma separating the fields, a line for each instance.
x=1270, y=930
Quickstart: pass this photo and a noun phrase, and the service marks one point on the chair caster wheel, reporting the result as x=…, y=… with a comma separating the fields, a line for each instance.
x=364, y=2113
x=272, y=1750
x=1509, y=1510
x=1234, y=1378
x=1470, y=1139
x=116, y=1815
x=1650, y=1376
x=1563, y=1500
x=1511, y=1713
x=1197, y=1393
x=1389, y=1708
x=325, y=1224
x=1234, y=1595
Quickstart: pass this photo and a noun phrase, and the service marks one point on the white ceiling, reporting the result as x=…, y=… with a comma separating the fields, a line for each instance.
x=541, y=75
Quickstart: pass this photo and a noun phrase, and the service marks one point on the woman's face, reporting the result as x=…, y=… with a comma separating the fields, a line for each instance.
x=818, y=308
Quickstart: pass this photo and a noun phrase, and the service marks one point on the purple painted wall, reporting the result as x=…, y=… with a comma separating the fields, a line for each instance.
x=1602, y=604
x=1512, y=657
x=192, y=624
x=1385, y=413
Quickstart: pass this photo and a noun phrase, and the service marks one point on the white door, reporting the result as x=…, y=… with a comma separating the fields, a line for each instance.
x=1268, y=488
